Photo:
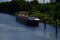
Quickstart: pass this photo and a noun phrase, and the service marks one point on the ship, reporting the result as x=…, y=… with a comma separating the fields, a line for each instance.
x=27, y=20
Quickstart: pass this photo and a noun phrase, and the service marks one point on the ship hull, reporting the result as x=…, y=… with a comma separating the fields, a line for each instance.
x=28, y=22
x=32, y=22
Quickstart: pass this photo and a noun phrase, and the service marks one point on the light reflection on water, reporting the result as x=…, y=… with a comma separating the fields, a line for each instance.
x=12, y=30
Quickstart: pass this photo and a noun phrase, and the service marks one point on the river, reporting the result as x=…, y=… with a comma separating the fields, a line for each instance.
x=12, y=30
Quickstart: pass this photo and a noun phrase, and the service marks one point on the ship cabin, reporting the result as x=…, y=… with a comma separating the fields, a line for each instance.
x=29, y=20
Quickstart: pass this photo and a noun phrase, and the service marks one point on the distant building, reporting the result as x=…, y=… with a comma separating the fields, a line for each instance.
x=51, y=1
x=21, y=13
x=58, y=1
x=57, y=5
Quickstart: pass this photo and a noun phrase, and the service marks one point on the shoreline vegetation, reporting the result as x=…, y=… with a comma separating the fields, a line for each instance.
x=48, y=10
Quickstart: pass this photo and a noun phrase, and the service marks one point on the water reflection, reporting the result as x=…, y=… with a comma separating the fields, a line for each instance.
x=44, y=27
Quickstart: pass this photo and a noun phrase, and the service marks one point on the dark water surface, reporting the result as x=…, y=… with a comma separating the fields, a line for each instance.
x=12, y=30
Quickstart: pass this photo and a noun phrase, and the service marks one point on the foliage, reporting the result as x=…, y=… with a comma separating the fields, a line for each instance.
x=49, y=10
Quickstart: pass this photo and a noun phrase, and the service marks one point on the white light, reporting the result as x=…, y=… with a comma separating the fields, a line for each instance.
x=36, y=19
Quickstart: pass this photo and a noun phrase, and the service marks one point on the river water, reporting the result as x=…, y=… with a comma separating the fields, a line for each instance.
x=12, y=30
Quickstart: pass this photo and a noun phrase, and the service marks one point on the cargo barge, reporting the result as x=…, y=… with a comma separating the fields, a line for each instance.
x=27, y=20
